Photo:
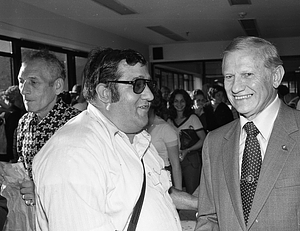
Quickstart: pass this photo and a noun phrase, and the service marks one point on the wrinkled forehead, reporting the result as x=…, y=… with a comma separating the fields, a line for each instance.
x=254, y=53
x=137, y=70
x=254, y=56
x=35, y=68
x=33, y=65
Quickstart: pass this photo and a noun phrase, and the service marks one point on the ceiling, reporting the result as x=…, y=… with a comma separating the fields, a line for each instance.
x=192, y=20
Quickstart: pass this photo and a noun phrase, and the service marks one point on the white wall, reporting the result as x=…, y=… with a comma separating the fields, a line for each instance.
x=213, y=50
x=21, y=20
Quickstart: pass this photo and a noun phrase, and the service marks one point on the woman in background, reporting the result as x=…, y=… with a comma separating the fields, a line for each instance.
x=182, y=117
x=199, y=102
x=164, y=139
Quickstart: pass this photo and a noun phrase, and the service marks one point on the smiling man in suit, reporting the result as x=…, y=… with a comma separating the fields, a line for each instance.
x=252, y=181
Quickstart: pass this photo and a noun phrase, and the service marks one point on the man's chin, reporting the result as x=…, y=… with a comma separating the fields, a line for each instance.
x=142, y=123
x=31, y=109
x=245, y=113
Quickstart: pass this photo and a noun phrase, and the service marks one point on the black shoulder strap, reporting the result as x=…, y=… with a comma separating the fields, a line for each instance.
x=138, y=206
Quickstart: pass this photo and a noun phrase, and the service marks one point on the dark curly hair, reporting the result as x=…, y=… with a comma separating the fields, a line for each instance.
x=188, y=110
x=102, y=66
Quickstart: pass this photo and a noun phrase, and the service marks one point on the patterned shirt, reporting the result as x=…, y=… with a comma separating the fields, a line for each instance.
x=32, y=135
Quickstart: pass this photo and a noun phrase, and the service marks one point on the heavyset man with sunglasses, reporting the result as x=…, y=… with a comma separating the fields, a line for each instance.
x=90, y=174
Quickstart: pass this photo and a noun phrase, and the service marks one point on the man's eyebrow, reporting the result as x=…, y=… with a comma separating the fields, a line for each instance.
x=33, y=77
x=141, y=77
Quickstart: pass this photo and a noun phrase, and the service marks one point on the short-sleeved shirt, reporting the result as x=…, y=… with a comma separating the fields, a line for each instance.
x=163, y=135
x=192, y=122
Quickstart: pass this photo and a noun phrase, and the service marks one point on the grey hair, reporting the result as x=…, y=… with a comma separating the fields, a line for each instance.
x=265, y=48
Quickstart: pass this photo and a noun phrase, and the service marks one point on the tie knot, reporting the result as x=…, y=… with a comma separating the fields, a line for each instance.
x=251, y=129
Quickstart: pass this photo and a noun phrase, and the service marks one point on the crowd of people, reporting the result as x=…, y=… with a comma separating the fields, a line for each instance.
x=117, y=153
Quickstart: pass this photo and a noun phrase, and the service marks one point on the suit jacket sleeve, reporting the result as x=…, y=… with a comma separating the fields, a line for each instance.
x=207, y=217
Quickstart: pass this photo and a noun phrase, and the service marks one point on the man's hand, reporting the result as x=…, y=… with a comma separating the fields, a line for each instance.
x=183, y=200
x=27, y=191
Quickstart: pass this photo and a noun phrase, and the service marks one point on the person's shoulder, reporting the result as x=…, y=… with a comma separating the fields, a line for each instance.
x=167, y=127
x=293, y=111
x=78, y=136
x=194, y=120
x=194, y=116
x=224, y=129
x=163, y=125
x=285, y=109
x=63, y=158
x=24, y=118
x=84, y=128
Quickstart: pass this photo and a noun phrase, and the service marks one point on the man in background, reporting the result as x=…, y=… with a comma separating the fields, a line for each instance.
x=41, y=80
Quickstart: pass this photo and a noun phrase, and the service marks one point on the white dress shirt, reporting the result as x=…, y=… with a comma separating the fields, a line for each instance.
x=89, y=176
x=264, y=122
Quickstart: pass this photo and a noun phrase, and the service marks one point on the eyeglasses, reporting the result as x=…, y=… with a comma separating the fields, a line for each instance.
x=138, y=84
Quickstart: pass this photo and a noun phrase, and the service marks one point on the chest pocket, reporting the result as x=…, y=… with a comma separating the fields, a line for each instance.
x=289, y=182
x=158, y=178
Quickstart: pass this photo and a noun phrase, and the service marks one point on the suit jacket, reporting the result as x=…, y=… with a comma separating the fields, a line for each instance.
x=276, y=204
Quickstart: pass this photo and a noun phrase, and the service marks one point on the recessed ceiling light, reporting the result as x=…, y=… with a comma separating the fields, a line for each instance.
x=167, y=33
x=115, y=6
x=239, y=2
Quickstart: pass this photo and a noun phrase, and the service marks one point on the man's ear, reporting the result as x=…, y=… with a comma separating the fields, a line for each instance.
x=58, y=86
x=277, y=76
x=104, y=94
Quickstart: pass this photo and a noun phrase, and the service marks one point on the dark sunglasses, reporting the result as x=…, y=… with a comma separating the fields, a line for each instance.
x=138, y=84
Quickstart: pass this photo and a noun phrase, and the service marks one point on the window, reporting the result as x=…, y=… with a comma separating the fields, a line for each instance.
x=11, y=50
x=173, y=79
x=5, y=72
x=6, y=46
x=79, y=64
x=6, y=64
x=213, y=72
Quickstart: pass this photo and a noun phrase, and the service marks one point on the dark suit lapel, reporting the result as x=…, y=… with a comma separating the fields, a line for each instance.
x=231, y=169
x=278, y=150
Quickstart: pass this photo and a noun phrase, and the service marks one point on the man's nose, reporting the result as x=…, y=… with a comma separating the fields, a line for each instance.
x=237, y=84
x=24, y=88
x=147, y=93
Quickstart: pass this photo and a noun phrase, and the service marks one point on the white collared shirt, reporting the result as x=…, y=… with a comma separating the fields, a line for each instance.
x=89, y=176
x=264, y=123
